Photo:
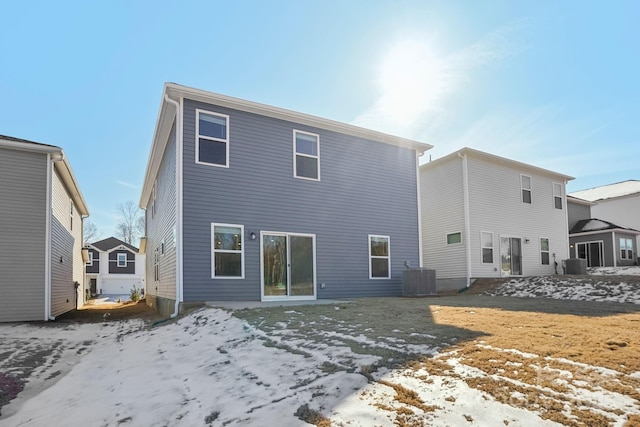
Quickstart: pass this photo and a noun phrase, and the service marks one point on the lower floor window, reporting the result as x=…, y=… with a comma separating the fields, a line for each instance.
x=626, y=248
x=227, y=252
x=544, y=251
x=379, y=259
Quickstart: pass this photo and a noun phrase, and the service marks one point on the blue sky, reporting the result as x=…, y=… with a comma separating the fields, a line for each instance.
x=554, y=84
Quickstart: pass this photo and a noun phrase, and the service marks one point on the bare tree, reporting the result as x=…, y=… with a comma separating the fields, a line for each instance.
x=90, y=233
x=131, y=225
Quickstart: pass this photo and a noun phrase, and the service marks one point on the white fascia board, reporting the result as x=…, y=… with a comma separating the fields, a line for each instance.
x=514, y=164
x=68, y=178
x=29, y=146
x=609, y=230
x=176, y=91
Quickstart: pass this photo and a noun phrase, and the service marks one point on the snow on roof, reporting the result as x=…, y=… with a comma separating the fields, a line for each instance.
x=595, y=224
x=609, y=191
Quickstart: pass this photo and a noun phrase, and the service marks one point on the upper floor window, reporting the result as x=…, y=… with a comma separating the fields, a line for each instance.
x=626, y=248
x=544, y=251
x=306, y=153
x=379, y=259
x=90, y=262
x=525, y=182
x=227, y=252
x=122, y=260
x=212, y=138
x=71, y=214
x=487, y=247
x=557, y=195
x=454, y=238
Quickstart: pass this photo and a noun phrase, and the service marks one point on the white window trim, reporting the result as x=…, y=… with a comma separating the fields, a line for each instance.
x=530, y=189
x=295, y=154
x=388, y=257
x=213, y=250
x=119, y=257
x=627, y=248
x=198, y=136
x=156, y=265
x=560, y=196
x=542, y=251
x=446, y=238
x=482, y=248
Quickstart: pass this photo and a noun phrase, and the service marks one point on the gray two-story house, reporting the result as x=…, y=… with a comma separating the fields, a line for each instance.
x=246, y=201
x=41, y=214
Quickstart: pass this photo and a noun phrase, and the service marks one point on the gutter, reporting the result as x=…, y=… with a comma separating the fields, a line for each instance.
x=467, y=220
x=178, y=177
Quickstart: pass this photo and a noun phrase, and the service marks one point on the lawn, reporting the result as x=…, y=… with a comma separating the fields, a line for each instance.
x=469, y=359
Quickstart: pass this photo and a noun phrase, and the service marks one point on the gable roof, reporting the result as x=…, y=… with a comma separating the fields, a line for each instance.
x=61, y=164
x=610, y=191
x=173, y=92
x=466, y=151
x=110, y=243
x=594, y=225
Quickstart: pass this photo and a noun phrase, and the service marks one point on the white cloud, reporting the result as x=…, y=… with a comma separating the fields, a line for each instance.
x=127, y=184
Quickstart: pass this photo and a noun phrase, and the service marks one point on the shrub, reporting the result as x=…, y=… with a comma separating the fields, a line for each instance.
x=135, y=294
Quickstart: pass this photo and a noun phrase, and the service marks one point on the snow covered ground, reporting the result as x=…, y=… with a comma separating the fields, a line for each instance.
x=578, y=288
x=212, y=368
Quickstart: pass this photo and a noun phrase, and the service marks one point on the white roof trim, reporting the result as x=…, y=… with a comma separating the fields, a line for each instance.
x=495, y=159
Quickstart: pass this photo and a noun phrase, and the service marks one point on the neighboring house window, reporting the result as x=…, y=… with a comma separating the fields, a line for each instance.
x=122, y=260
x=212, y=138
x=71, y=214
x=626, y=248
x=379, y=259
x=227, y=252
x=526, y=188
x=487, y=247
x=453, y=238
x=90, y=262
x=162, y=248
x=306, y=150
x=156, y=265
x=557, y=195
x=153, y=199
x=544, y=251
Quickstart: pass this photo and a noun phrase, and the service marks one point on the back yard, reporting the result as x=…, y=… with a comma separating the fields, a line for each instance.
x=561, y=353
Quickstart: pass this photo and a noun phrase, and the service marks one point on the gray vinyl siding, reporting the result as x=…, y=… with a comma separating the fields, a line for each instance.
x=66, y=258
x=577, y=212
x=607, y=245
x=161, y=226
x=442, y=199
x=23, y=193
x=366, y=188
x=130, y=267
x=95, y=266
x=63, y=292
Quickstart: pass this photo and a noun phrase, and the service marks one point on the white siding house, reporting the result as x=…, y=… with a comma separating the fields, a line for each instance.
x=618, y=203
x=487, y=216
x=114, y=268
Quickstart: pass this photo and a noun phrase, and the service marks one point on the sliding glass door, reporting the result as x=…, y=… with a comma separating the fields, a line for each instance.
x=288, y=266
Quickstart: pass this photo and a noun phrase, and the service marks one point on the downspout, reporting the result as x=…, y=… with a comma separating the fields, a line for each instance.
x=176, y=309
x=51, y=159
x=566, y=218
x=467, y=220
x=614, y=250
x=420, y=263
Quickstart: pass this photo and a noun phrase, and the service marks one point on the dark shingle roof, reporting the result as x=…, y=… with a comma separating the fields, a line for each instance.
x=110, y=243
x=595, y=224
x=26, y=141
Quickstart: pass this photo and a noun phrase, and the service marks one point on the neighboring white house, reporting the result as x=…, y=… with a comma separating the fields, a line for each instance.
x=488, y=216
x=618, y=203
x=114, y=267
